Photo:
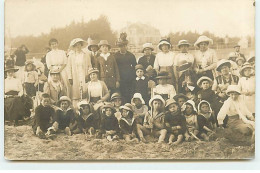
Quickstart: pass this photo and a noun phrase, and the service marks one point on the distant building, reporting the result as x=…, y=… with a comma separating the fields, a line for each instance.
x=138, y=34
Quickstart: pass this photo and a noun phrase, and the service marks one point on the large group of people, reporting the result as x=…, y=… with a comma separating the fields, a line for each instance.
x=173, y=96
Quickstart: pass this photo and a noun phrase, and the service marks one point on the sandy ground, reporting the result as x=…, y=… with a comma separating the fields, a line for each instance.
x=21, y=144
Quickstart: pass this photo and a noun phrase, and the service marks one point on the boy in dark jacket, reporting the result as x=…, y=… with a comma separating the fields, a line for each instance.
x=109, y=124
x=43, y=117
x=175, y=122
x=127, y=123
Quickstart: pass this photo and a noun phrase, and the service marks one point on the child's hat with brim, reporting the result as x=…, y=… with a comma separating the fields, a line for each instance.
x=104, y=42
x=233, y=88
x=64, y=98
x=55, y=71
x=108, y=105
x=163, y=75
x=9, y=68
x=156, y=97
x=180, y=95
x=183, y=42
x=137, y=96
x=93, y=43
x=221, y=63
x=204, y=101
x=240, y=58
x=245, y=66
x=93, y=70
x=81, y=103
x=29, y=62
x=203, y=38
x=203, y=78
x=169, y=102
x=236, y=46
x=77, y=40
x=147, y=45
x=191, y=102
x=115, y=96
x=127, y=106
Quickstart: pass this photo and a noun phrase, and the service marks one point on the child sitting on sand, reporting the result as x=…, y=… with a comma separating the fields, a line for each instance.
x=116, y=100
x=127, y=123
x=44, y=114
x=175, y=122
x=206, y=120
x=139, y=108
x=109, y=124
x=153, y=120
x=190, y=113
x=64, y=116
x=87, y=121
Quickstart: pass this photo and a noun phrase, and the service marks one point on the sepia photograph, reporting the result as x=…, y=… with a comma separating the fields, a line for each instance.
x=120, y=80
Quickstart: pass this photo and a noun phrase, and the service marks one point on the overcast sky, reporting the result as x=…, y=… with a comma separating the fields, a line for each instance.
x=231, y=17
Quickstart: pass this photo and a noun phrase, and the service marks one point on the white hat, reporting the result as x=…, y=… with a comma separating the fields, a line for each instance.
x=189, y=102
x=83, y=102
x=204, y=101
x=244, y=66
x=156, y=97
x=203, y=38
x=76, y=40
x=137, y=96
x=223, y=62
x=147, y=45
x=233, y=88
x=232, y=54
x=164, y=41
x=183, y=42
x=204, y=78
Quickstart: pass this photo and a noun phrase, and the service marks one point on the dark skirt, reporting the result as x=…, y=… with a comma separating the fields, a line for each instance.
x=30, y=89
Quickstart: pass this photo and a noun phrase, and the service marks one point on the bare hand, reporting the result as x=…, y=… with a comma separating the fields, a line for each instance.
x=117, y=84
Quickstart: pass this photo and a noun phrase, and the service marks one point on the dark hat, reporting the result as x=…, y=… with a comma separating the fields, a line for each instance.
x=139, y=66
x=9, y=68
x=92, y=43
x=236, y=46
x=176, y=97
x=184, y=65
x=163, y=75
x=109, y=105
x=122, y=41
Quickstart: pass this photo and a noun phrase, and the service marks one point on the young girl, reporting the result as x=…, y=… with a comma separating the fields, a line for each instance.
x=175, y=122
x=190, y=113
x=127, y=123
x=109, y=124
x=116, y=100
x=247, y=86
x=87, y=121
x=240, y=61
x=139, y=108
x=153, y=120
x=240, y=119
x=64, y=116
x=54, y=86
x=95, y=91
x=206, y=120
x=164, y=89
x=30, y=78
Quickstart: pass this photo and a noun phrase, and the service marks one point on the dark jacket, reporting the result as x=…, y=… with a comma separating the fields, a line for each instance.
x=208, y=95
x=20, y=56
x=64, y=118
x=209, y=123
x=108, y=71
x=173, y=121
x=94, y=61
x=141, y=86
x=43, y=117
x=183, y=88
x=147, y=60
x=109, y=123
x=126, y=127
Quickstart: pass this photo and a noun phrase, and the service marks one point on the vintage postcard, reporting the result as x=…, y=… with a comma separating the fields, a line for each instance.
x=129, y=80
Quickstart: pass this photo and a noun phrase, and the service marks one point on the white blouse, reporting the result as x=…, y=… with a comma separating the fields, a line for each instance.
x=165, y=89
x=205, y=59
x=163, y=59
x=56, y=58
x=183, y=56
x=95, y=89
x=13, y=84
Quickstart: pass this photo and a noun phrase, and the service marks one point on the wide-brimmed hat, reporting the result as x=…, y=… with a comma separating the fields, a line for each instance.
x=127, y=106
x=169, y=102
x=137, y=96
x=108, y=105
x=156, y=97
x=64, y=98
x=147, y=45
x=201, y=102
x=245, y=66
x=204, y=78
x=250, y=59
x=240, y=58
x=29, y=62
x=92, y=43
x=115, y=96
x=236, y=46
x=183, y=66
x=191, y=102
x=162, y=42
x=10, y=67
x=81, y=103
x=180, y=95
x=55, y=71
x=104, y=42
x=223, y=62
x=139, y=66
x=76, y=40
x=233, y=88
x=93, y=70
x=203, y=38
x=232, y=55
x=163, y=75
x=183, y=42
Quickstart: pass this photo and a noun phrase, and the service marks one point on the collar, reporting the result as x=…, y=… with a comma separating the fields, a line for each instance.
x=138, y=78
x=129, y=123
x=105, y=56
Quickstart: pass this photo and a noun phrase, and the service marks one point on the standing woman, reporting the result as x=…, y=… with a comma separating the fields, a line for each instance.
x=205, y=58
x=164, y=60
x=57, y=59
x=79, y=63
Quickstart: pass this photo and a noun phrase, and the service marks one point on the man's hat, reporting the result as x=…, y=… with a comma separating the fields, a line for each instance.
x=9, y=68
x=92, y=43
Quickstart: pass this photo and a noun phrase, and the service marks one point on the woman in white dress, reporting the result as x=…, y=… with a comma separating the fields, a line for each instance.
x=78, y=65
x=57, y=59
x=205, y=58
